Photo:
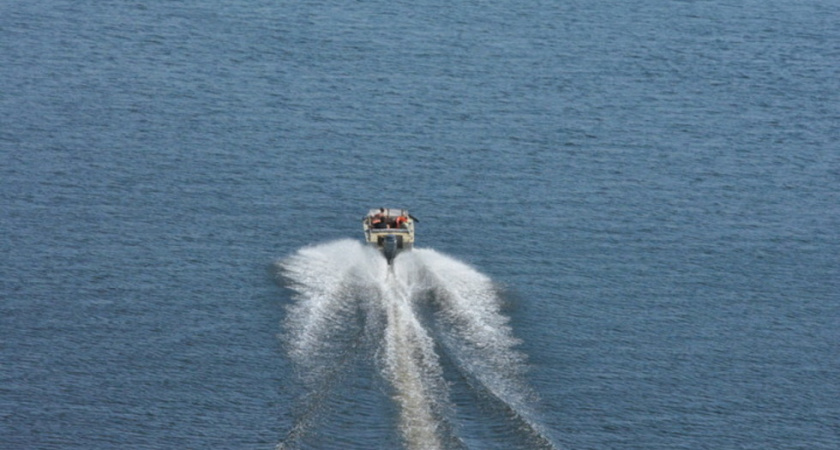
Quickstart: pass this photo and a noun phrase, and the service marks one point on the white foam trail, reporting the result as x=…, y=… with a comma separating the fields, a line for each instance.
x=476, y=331
x=323, y=277
x=334, y=279
x=413, y=368
x=345, y=279
x=471, y=307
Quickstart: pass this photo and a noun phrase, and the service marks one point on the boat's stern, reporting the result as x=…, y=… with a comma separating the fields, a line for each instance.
x=391, y=230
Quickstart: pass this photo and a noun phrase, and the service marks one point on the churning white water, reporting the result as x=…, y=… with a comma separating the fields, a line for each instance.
x=425, y=303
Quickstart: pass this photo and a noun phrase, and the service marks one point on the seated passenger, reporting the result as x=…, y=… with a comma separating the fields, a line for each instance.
x=379, y=220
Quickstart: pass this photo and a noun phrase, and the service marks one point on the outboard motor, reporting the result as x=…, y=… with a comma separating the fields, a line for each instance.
x=390, y=246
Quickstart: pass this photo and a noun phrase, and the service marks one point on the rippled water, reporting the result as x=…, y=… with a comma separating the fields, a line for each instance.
x=627, y=238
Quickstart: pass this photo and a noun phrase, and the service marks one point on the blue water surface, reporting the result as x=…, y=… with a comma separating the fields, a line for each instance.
x=652, y=186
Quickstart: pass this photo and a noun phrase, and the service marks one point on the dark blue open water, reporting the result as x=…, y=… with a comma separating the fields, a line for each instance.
x=628, y=239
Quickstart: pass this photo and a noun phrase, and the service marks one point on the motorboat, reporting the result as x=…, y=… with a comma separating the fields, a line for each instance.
x=391, y=230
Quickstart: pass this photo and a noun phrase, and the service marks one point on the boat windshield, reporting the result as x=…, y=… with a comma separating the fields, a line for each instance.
x=389, y=212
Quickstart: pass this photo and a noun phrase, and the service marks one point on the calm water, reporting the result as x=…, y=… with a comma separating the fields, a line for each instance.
x=628, y=233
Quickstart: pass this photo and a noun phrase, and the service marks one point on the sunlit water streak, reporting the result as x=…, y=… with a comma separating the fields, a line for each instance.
x=339, y=281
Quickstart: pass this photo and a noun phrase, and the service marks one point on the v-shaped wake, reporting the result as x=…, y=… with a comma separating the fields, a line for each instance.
x=425, y=303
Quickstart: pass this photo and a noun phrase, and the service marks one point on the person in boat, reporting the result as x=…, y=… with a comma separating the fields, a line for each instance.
x=379, y=220
x=400, y=221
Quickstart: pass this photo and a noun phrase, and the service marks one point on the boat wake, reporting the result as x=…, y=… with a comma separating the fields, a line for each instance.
x=425, y=321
